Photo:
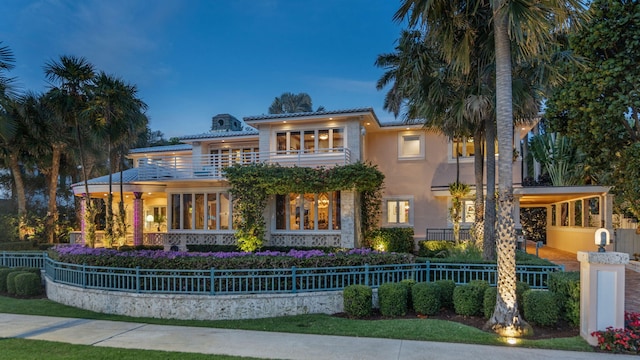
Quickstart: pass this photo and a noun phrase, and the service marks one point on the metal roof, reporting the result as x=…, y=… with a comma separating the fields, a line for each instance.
x=177, y=147
x=301, y=114
x=220, y=134
x=128, y=176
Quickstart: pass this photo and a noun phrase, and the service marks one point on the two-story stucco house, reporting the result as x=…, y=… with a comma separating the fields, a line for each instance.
x=177, y=195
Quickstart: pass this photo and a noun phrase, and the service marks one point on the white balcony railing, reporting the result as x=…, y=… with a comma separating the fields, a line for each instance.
x=211, y=166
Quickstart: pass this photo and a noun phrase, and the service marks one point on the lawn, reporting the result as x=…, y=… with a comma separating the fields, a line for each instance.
x=402, y=328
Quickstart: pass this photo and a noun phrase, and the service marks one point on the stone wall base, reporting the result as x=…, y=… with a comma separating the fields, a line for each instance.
x=195, y=307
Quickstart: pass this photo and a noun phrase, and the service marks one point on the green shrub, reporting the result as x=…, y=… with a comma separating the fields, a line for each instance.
x=27, y=284
x=489, y=302
x=566, y=286
x=409, y=283
x=357, y=300
x=426, y=298
x=434, y=248
x=541, y=307
x=3, y=278
x=468, y=299
x=521, y=287
x=392, y=298
x=11, y=282
x=16, y=246
x=446, y=292
x=393, y=239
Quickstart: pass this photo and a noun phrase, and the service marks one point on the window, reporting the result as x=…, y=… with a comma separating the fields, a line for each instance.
x=311, y=141
x=308, y=211
x=398, y=211
x=464, y=148
x=411, y=145
x=468, y=211
x=237, y=155
x=188, y=211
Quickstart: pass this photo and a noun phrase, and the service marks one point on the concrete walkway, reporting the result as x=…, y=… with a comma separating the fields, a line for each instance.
x=264, y=345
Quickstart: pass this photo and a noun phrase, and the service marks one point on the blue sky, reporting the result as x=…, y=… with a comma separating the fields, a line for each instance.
x=194, y=59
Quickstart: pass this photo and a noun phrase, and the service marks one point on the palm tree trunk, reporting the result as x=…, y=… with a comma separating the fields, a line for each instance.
x=20, y=193
x=52, y=207
x=478, y=162
x=489, y=244
x=506, y=319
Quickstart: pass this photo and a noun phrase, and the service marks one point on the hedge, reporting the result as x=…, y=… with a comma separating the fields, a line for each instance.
x=357, y=300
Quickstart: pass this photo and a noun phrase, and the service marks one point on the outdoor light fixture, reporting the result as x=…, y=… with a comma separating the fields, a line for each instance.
x=602, y=238
x=149, y=218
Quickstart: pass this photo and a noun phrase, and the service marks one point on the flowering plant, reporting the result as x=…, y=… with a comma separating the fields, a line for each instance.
x=158, y=259
x=621, y=340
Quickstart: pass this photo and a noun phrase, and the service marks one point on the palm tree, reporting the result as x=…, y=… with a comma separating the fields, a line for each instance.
x=115, y=112
x=289, y=103
x=70, y=78
x=531, y=27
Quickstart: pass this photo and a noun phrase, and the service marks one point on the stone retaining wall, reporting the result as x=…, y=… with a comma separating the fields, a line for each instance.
x=195, y=307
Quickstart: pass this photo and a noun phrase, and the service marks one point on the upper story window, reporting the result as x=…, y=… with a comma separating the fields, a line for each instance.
x=310, y=141
x=411, y=145
x=464, y=148
x=229, y=156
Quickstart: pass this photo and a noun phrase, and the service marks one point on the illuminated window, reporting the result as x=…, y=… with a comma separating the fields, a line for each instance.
x=310, y=141
x=411, y=145
x=308, y=211
x=398, y=211
x=201, y=211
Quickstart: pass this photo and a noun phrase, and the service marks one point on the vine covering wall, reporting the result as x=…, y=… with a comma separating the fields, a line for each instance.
x=252, y=185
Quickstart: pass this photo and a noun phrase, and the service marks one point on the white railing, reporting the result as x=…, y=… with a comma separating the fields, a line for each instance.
x=211, y=166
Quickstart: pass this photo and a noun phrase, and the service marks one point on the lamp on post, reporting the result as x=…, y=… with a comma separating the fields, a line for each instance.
x=602, y=238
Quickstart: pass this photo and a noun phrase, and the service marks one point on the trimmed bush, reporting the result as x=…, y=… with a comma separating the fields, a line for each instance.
x=393, y=299
x=357, y=300
x=409, y=283
x=468, y=299
x=11, y=282
x=489, y=302
x=521, y=287
x=28, y=284
x=426, y=298
x=446, y=292
x=393, y=239
x=541, y=307
x=566, y=286
x=434, y=248
x=3, y=278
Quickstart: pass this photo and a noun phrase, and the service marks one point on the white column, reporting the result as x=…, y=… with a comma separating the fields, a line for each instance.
x=601, y=292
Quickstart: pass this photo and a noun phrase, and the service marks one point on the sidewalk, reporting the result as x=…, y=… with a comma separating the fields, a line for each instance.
x=267, y=345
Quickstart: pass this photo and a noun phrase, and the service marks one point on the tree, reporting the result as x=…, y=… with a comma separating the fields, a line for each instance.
x=599, y=108
x=530, y=27
x=70, y=78
x=289, y=103
x=114, y=111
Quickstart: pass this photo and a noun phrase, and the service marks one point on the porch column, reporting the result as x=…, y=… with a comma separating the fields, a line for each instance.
x=83, y=224
x=137, y=218
x=347, y=219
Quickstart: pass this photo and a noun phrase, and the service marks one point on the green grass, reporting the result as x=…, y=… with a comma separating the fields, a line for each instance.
x=408, y=329
x=35, y=349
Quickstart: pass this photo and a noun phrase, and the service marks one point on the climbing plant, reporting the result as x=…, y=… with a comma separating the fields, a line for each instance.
x=251, y=186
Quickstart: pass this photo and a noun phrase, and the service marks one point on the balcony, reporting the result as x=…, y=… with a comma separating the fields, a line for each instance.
x=210, y=167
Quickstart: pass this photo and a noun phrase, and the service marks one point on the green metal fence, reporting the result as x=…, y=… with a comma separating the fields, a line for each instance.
x=260, y=281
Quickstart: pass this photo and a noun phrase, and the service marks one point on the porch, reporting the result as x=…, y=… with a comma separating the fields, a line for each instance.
x=211, y=166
